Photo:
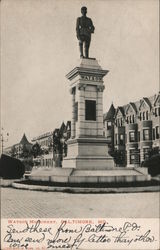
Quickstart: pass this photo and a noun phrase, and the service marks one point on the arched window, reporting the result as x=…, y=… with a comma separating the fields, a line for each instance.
x=127, y=119
x=121, y=122
x=146, y=115
x=140, y=116
x=130, y=119
x=143, y=116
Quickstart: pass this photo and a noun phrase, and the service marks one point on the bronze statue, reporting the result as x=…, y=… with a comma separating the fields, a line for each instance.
x=84, y=28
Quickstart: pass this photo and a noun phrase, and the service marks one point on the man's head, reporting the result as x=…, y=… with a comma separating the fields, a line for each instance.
x=84, y=10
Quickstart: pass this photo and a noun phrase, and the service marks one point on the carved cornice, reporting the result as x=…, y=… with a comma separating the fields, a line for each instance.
x=81, y=86
x=89, y=74
x=100, y=88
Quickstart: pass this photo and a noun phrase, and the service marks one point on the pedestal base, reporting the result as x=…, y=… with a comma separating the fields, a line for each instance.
x=88, y=154
x=91, y=178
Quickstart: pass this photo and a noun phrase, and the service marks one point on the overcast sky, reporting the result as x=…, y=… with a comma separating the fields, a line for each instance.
x=39, y=47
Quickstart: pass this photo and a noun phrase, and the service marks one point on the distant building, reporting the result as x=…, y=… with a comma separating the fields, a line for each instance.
x=16, y=149
x=134, y=129
x=52, y=156
x=46, y=143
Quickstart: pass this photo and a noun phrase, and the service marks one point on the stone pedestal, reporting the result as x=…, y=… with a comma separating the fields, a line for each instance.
x=87, y=162
x=87, y=148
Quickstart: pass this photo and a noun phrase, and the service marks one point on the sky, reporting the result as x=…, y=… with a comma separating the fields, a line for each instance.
x=39, y=47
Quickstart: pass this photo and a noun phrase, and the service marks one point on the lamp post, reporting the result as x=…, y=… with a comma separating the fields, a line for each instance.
x=3, y=140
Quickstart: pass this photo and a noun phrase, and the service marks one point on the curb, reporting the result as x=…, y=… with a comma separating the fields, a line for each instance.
x=7, y=182
x=86, y=190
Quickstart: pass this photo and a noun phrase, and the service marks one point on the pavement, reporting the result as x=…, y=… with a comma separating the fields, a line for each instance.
x=18, y=203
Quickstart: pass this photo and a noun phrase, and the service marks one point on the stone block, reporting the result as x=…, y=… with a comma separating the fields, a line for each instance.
x=130, y=178
x=83, y=179
x=91, y=94
x=60, y=179
x=39, y=178
x=106, y=179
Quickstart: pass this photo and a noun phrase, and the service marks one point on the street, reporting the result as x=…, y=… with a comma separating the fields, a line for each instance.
x=16, y=203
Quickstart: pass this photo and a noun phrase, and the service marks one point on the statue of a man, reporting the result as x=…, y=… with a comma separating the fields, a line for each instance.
x=84, y=28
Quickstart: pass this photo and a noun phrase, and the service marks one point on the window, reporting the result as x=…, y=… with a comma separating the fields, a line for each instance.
x=153, y=134
x=132, y=136
x=146, y=153
x=138, y=136
x=127, y=120
x=90, y=110
x=147, y=115
x=109, y=124
x=132, y=118
x=121, y=139
x=121, y=122
x=146, y=134
x=116, y=142
x=132, y=156
x=125, y=138
x=76, y=111
x=140, y=116
x=155, y=111
x=132, y=159
x=157, y=132
x=143, y=116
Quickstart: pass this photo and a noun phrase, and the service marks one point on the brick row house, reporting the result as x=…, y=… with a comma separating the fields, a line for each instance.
x=133, y=130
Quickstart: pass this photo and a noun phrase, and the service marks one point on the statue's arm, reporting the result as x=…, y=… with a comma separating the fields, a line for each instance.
x=77, y=28
x=92, y=28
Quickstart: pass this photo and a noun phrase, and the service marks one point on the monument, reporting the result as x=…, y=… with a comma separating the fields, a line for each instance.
x=88, y=161
x=87, y=148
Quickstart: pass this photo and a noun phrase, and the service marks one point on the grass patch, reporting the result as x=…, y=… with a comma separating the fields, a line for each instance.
x=92, y=185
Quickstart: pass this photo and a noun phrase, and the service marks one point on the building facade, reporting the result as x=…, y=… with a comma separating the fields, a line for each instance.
x=45, y=142
x=53, y=145
x=17, y=149
x=133, y=130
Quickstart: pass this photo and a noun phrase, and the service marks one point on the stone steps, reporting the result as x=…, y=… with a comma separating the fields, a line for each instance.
x=113, y=172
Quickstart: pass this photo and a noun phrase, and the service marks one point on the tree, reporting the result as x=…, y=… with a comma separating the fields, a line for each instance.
x=153, y=151
x=36, y=150
x=25, y=152
x=119, y=157
x=13, y=151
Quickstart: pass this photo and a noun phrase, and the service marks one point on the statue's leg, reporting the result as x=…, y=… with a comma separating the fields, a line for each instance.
x=86, y=48
x=81, y=48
